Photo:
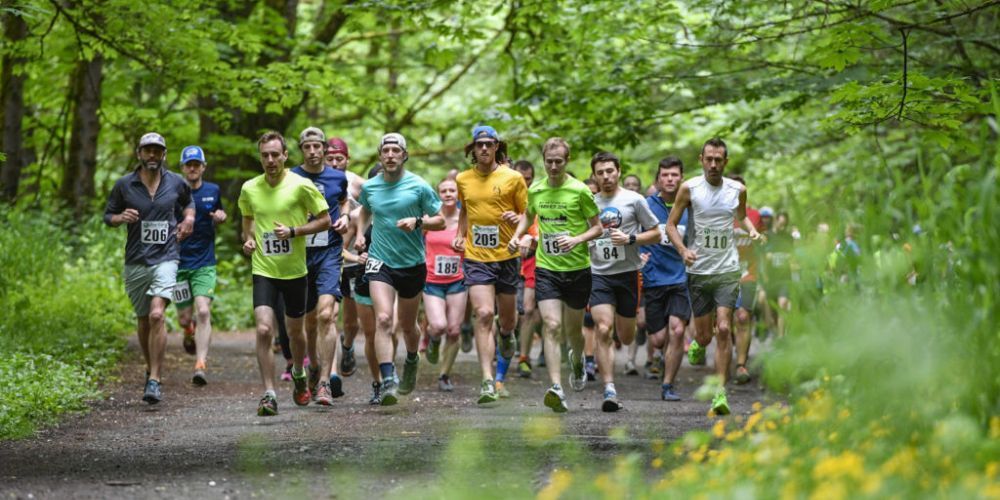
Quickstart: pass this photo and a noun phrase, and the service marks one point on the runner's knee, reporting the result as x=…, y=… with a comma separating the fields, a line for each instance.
x=383, y=321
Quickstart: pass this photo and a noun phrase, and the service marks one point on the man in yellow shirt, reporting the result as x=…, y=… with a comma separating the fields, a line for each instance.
x=493, y=199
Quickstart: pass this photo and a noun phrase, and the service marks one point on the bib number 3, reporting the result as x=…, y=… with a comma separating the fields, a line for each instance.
x=273, y=246
x=154, y=232
x=486, y=236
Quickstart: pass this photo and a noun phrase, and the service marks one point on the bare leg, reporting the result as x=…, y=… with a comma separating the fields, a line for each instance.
x=384, y=300
x=604, y=315
x=203, y=329
x=264, y=316
x=483, y=299
x=724, y=342
x=366, y=314
x=456, y=314
x=675, y=348
x=328, y=337
x=551, y=312
x=157, y=336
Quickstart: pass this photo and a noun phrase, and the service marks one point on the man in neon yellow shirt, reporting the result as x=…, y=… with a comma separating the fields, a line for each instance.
x=276, y=207
x=567, y=217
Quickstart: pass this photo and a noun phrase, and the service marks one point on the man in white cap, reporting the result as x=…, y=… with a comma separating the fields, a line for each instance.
x=398, y=204
x=148, y=199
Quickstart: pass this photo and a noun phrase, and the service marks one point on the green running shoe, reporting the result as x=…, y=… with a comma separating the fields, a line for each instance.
x=433, y=351
x=720, y=405
x=556, y=399
x=696, y=354
x=389, y=392
x=409, y=381
x=268, y=406
x=524, y=369
x=488, y=392
x=577, y=374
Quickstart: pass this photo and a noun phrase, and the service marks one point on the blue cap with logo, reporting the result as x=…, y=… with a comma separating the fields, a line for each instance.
x=192, y=153
x=485, y=131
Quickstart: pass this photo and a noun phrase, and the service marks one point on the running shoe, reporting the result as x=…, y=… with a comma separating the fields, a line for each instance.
x=433, y=351
x=667, y=393
x=347, y=362
x=152, y=394
x=591, y=370
x=742, y=375
x=696, y=354
x=720, y=405
x=336, y=385
x=301, y=393
x=577, y=375
x=556, y=399
x=502, y=390
x=409, y=381
x=488, y=392
x=389, y=392
x=323, y=396
x=466, y=337
x=653, y=369
x=268, y=406
x=199, y=377
x=630, y=369
x=189, y=345
x=507, y=345
x=524, y=369
x=287, y=376
x=444, y=383
x=376, y=398
x=313, y=379
x=611, y=403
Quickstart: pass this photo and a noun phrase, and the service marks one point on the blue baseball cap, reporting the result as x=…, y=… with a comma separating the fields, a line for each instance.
x=192, y=153
x=485, y=131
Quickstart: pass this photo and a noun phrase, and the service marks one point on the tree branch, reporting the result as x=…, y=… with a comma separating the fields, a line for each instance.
x=902, y=102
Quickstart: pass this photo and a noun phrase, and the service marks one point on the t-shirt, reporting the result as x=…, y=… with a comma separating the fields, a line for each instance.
x=198, y=250
x=562, y=210
x=746, y=248
x=332, y=184
x=290, y=203
x=713, y=209
x=153, y=238
x=628, y=212
x=778, y=252
x=444, y=264
x=485, y=198
x=388, y=202
x=665, y=265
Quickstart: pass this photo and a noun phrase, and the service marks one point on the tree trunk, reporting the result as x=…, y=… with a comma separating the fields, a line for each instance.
x=12, y=112
x=78, y=179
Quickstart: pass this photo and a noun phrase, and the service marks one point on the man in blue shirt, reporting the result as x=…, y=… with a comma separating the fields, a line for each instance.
x=323, y=259
x=664, y=278
x=196, y=272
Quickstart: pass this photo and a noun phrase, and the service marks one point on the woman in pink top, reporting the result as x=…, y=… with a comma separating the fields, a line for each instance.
x=445, y=294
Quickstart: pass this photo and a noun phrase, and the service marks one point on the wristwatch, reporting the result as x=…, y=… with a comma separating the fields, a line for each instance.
x=420, y=222
x=631, y=239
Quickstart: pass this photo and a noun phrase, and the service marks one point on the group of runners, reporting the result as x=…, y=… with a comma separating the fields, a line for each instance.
x=513, y=251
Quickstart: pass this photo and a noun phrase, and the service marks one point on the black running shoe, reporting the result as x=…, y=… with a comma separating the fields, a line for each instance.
x=152, y=394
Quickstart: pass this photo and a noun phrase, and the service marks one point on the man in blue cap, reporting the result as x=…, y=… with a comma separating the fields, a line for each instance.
x=196, y=275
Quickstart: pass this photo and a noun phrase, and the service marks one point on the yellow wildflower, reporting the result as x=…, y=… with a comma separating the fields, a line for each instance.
x=847, y=464
x=719, y=429
x=558, y=483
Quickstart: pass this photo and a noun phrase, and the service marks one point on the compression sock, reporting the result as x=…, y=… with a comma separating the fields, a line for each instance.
x=502, y=365
x=387, y=370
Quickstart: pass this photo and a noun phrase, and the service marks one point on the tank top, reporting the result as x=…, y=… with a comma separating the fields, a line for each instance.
x=444, y=265
x=713, y=209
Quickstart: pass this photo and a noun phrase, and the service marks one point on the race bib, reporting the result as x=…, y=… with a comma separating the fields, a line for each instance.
x=665, y=240
x=446, y=265
x=273, y=246
x=549, y=245
x=182, y=292
x=715, y=239
x=320, y=239
x=486, y=236
x=154, y=232
x=372, y=266
x=609, y=252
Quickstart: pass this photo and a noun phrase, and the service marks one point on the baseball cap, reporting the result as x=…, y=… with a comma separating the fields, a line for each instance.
x=337, y=145
x=152, y=139
x=766, y=212
x=392, y=138
x=311, y=134
x=485, y=131
x=192, y=153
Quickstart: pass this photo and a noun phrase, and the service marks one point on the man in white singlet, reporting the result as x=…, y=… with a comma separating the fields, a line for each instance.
x=712, y=261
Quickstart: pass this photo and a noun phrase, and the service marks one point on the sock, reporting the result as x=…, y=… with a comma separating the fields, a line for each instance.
x=270, y=392
x=589, y=359
x=610, y=386
x=387, y=370
x=502, y=365
x=411, y=357
x=346, y=348
x=557, y=387
x=298, y=372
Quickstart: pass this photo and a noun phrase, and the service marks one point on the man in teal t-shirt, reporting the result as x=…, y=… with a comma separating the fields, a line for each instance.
x=398, y=204
x=567, y=219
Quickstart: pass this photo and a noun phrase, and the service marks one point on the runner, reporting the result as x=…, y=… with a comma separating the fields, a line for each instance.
x=615, y=261
x=339, y=157
x=148, y=199
x=665, y=292
x=528, y=316
x=324, y=256
x=712, y=261
x=493, y=199
x=748, y=290
x=445, y=293
x=276, y=206
x=567, y=217
x=361, y=291
x=196, y=276
x=778, y=272
x=397, y=203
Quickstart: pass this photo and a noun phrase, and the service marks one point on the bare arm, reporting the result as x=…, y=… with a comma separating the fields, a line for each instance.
x=249, y=241
x=681, y=203
x=361, y=224
x=741, y=215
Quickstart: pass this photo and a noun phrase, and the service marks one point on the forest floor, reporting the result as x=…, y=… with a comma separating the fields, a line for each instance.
x=209, y=442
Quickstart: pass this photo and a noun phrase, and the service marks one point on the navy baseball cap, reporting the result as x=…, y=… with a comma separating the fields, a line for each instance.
x=192, y=153
x=485, y=131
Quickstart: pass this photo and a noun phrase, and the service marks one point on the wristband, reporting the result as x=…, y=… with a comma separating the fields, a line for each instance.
x=292, y=230
x=420, y=222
